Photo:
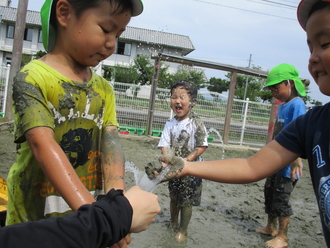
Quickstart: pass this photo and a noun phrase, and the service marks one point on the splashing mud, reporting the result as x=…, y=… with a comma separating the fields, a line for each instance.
x=143, y=180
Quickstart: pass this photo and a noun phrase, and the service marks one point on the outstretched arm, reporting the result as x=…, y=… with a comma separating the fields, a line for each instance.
x=100, y=224
x=265, y=162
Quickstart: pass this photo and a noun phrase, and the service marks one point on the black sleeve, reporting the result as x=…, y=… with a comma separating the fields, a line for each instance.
x=100, y=224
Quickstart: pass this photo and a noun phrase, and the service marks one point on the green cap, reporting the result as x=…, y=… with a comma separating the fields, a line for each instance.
x=284, y=72
x=48, y=30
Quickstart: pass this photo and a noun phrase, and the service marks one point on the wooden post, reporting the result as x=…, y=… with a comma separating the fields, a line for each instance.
x=152, y=97
x=229, y=109
x=16, y=54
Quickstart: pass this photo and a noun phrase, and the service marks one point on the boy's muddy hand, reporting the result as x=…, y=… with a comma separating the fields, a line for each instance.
x=153, y=168
x=176, y=166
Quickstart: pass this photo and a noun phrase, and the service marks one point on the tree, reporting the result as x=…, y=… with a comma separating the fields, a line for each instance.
x=218, y=85
x=316, y=102
x=252, y=86
x=140, y=73
x=252, y=91
x=26, y=58
x=164, y=78
x=265, y=96
x=144, y=69
x=194, y=75
x=108, y=72
x=307, y=98
x=126, y=74
x=39, y=54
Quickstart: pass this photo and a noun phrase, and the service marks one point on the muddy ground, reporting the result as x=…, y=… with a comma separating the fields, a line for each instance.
x=228, y=214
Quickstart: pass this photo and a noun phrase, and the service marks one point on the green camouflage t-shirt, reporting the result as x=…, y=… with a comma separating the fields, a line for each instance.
x=78, y=113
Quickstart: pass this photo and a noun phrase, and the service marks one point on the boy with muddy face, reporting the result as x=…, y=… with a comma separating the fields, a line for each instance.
x=185, y=136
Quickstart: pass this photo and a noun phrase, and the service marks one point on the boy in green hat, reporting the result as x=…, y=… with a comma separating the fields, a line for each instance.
x=65, y=114
x=284, y=83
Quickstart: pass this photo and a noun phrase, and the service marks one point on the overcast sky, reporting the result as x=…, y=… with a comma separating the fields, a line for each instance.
x=229, y=31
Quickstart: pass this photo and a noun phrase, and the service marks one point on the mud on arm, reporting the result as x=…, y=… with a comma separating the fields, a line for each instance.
x=57, y=167
x=196, y=152
x=112, y=155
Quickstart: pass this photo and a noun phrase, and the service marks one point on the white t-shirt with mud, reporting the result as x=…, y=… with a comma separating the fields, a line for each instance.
x=183, y=136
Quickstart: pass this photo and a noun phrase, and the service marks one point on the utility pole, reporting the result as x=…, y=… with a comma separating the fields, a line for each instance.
x=16, y=54
x=247, y=81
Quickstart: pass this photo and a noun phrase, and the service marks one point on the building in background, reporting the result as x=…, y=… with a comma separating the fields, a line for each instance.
x=134, y=41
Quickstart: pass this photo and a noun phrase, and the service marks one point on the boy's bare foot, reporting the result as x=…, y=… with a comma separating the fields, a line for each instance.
x=277, y=243
x=180, y=237
x=174, y=227
x=267, y=231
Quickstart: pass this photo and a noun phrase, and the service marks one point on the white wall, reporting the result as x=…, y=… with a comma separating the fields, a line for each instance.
x=4, y=2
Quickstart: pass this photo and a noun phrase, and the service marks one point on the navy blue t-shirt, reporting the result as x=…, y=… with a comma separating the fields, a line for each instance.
x=309, y=136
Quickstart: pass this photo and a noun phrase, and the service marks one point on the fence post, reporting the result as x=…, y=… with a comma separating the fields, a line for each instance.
x=16, y=54
x=244, y=120
x=153, y=95
x=229, y=108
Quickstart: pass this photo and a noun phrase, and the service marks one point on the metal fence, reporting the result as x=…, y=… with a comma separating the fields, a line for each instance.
x=249, y=120
x=248, y=126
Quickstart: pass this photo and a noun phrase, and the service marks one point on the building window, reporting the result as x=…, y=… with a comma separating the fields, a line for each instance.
x=40, y=36
x=28, y=34
x=124, y=48
x=8, y=61
x=10, y=31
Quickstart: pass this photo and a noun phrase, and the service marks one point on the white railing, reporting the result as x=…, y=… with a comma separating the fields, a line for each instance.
x=4, y=79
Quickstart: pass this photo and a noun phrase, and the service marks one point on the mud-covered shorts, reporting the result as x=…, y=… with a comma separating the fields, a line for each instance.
x=187, y=190
x=277, y=195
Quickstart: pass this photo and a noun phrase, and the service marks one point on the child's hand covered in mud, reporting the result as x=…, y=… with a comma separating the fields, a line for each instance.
x=155, y=167
x=176, y=166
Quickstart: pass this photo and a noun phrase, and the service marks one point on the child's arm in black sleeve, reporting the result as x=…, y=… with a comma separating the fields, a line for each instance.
x=100, y=224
